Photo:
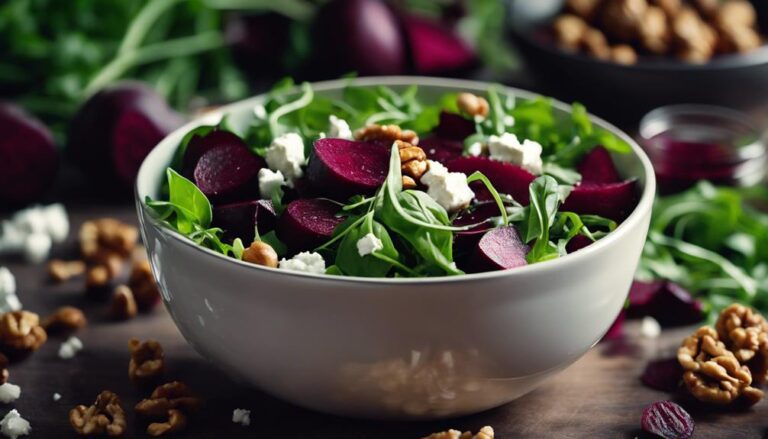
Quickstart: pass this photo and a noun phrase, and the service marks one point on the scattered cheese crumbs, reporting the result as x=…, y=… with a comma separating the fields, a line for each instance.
x=13, y=425
x=286, y=154
x=650, y=328
x=369, y=244
x=242, y=417
x=56, y=396
x=30, y=232
x=339, y=128
x=70, y=348
x=269, y=183
x=37, y=246
x=9, y=393
x=475, y=149
x=449, y=189
x=507, y=148
x=304, y=261
x=9, y=301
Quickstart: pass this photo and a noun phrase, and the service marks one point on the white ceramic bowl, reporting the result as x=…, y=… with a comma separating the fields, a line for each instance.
x=393, y=348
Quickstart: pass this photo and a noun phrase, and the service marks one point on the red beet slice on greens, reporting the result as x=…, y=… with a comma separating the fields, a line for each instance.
x=499, y=249
x=506, y=178
x=28, y=156
x=465, y=241
x=435, y=48
x=341, y=168
x=668, y=420
x=664, y=375
x=611, y=200
x=241, y=220
x=578, y=242
x=597, y=168
x=454, y=126
x=308, y=223
x=441, y=150
x=199, y=145
x=228, y=172
x=667, y=302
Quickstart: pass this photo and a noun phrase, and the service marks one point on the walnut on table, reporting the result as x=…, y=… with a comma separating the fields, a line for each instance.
x=484, y=433
x=142, y=284
x=172, y=401
x=745, y=333
x=147, y=363
x=20, y=333
x=64, y=320
x=105, y=417
x=123, y=304
x=60, y=271
x=177, y=421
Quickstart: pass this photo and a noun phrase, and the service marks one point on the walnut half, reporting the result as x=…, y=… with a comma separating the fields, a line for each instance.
x=745, y=333
x=105, y=417
x=173, y=401
x=147, y=362
x=21, y=333
x=484, y=433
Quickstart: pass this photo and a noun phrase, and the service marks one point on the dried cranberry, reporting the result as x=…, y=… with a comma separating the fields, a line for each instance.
x=664, y=375
x=668, y=420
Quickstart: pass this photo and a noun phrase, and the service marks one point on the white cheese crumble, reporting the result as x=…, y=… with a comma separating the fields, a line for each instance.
x=339, y=128
x=269, y=182
x=507, y=148
x=13, y=425
x=9, y=393
x=650, y=327
x=70, y=348
x=242, y=417
x=286, y=154
x=9, y=301
x=37, y=246
x=369, y=244
x=475, y=149
x=304, y=261
x=449, y=189
x=56, y=396
x=30, y=232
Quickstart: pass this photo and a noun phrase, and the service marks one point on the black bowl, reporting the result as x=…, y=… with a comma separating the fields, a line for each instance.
x=613, y=90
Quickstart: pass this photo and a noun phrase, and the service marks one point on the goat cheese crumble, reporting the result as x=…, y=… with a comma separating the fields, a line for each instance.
x=31, y=232
x=242, y=417
x=270, y=182
x=304, y=261
x=70, y=348
x=286, y=154
x=13, y=425
x=369, y=244
x=9, y=393
x=449, y=189
x=475, y=149
x=339, y=128
x=507, y=148
x=56, y=396
x=9, y=301
x=650, y=327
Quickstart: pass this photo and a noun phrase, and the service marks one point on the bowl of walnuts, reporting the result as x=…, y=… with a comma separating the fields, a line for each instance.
x=633, y=55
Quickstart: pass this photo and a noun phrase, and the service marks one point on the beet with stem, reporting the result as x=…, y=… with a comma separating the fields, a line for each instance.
x=241, y=220
x=308, y=223
x=341, y=168
x=228, y=172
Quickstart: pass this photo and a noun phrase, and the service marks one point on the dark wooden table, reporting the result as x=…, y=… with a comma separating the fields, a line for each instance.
x=599, y=396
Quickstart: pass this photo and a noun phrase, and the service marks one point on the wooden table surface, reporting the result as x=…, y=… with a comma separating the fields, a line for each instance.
x=598, y=397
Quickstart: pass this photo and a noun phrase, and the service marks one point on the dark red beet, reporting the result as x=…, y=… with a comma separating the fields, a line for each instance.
x=668, y=420
x=454, y=126
x=240, y=220
x=259, y=41
x=441, y=150
x=363, y=36
x=199, y=145
x=612, y=200
x=578, y=242
x=597, y=168
x=506, y=178
x=435, y=48
x=307, y=223
x=341, y=168
x=664, y=375
x=499, y=249
x=228, y=172
x=616, y=330
x=667, y=302
x=28, y=156
x=116, y=128
x=465, y=241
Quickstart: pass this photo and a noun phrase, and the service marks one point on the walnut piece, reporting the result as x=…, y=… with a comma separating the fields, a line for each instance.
x=413, y=160
x=260, y=253
x=123, y=305
x=64, y=320
x=623, y=54
x=143, y=285
x=20, y=332
x=177, y=421
x=745, y=333
x=655, y=35
x=569, y=30
x=712, y=373
x=107, y=235
x=484, y=433
x=388, y=133
x=105, y=417
x=147, y=362
x=60, y=271
x=173, y=395
x=472, y=105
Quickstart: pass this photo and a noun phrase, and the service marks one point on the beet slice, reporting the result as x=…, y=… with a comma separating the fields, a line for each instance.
x=28, y=157
x=228, y=172
x=199, y=145
x=308, y=223
x=465, y=241
x=669, y=303
x=240, y=220
x=441, y=150
x=668, y=420
x=499, y=249
x=611, y=200
x=435, y=48
x=506, y=178
x=597, y=167
x=454, y=126
x=578, y=242
x=341, y=168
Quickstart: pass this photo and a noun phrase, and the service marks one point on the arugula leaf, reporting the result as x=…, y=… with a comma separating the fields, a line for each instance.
x=377, y=264
x=545, y=200
x=184, y=195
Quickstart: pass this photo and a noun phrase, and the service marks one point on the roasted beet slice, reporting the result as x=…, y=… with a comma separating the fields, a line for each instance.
x=240, y=220
x=434, y=47
x=667, y=420
x=667, y=302
x=597, y=167
x=28, y=156
x=228, y=172
x=611, y=200
x=664, y=375
x=441, y=150
x=307, y=223
x=199, y=145
x=341, y=168
x=499, y=249
x=506, y=178
x=454, y=126
x=577, y=243
x=464, y=242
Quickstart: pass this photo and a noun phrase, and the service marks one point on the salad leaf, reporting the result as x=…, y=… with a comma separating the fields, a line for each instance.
x=545, y=200
x=378, y=263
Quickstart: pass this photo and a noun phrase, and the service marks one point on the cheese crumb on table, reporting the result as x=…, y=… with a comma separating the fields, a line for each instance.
x=13, y=425
x=70, y=348
x=269, y=183
x=304, y=261
x=9, y=393
x=650, y=328
x=369, y=244
x=31, y=231
x=507, y=148
x=9, y=301
x=339, y=128
x=449, y=189
x=242, y=417
x=56, y=396
x=286, y=154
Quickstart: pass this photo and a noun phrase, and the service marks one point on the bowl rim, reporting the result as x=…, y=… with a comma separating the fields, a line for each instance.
x=633, y=221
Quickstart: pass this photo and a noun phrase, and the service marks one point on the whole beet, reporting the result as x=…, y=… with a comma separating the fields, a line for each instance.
x=363, y=36
x=116, y=128
x=28, y=157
